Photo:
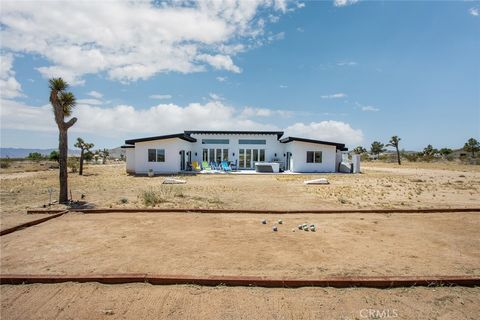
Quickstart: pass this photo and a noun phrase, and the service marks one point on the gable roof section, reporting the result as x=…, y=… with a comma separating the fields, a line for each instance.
x=182, y=136
x=340, y=146
x=279, y=134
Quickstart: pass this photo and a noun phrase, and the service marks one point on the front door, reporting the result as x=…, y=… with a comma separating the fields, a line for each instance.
x=288, y=162
x=182, y=160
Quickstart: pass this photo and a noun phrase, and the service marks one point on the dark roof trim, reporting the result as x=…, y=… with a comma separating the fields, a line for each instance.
x=340, y=146
x=182, y=136
x=127, y=146
x=277, y=133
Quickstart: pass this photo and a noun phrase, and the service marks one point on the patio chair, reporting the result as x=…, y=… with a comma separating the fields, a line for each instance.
x=196, y=166
x=206, y=166
x=225, y=166
x=214, y=165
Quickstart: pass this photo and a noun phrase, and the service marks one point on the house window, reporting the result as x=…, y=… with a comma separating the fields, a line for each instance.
x=314, y=156
x=251, y=141
x=215, y=141
x=156, y=155
x=225, y=155
x=205, y=155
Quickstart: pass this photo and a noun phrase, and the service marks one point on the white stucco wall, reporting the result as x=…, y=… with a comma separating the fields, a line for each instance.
x=299, y=157
x=172, y=148
x=271, y=147
x=137, y=158
x=130, y=155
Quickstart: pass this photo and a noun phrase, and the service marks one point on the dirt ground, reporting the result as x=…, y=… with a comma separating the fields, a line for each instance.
x=380, y=186
x=144, y=301
x=239, y=244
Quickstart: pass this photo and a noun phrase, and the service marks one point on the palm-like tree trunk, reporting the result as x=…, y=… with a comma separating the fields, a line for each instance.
x=398, y=155
x=62, y=160
x=62, y=144
x=80, y=171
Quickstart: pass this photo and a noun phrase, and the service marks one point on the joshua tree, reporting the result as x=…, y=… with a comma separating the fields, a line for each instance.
x=472, y=146
x=63, y=103
x=377, y=148
x=394, y=141
x=83, y=146
x=429, y=151
x=359, y=150
x=104, y=155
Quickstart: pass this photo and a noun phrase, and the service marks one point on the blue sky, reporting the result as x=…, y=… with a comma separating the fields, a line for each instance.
x=345, y=71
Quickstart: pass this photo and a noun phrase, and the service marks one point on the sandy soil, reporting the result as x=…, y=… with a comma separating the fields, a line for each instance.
x=238, y=244
x=143, y=301
x=380, y=186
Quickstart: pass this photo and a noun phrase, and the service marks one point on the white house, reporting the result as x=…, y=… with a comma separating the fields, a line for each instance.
x=176, y=152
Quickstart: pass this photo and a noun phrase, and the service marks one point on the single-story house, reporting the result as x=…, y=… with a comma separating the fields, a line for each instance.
x=175, y=152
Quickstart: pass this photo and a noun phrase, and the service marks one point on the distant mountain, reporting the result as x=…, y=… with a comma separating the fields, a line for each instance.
x=23, y=153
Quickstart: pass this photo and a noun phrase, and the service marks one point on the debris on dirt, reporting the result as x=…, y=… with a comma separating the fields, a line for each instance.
x=280, y=222
x=174, y=181
x=109, y=312
x=275, y=228
x=264, y=221
x=317, y=181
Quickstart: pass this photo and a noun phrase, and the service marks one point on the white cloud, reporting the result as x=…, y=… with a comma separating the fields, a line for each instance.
x=127, y=121
x=346, y=63
x=264, y=112
x=343, y=3
x=215, y=97
x=334, y=96
x=160, y=96
x=370, y=108
x=219, y=62
x=9, y=86
x=222, y=79
x=95, y=94
x=283, y=86
x=474, y=11
x=90, y=101
x=335, y=131
x=131, y=40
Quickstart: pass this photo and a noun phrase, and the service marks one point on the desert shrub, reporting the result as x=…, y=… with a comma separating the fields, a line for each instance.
x=149, y=197
x=412, y=157
x=35, y=156
x=123, y=200
x=73, y=164
x=5, y=163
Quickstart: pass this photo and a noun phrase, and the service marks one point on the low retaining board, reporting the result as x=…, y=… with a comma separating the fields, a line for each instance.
x=335, y=282
x=31, y=223
x=333, y=211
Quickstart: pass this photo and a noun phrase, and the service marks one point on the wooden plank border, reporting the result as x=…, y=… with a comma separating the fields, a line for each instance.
x=335, y=282
x=31, y=223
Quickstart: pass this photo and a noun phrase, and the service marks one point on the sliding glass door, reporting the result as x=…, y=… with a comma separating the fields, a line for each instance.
x=215, y=155
x=248, y=157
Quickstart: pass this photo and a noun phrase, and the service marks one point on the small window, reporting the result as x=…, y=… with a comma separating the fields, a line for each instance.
x=314, y=156
x=215, y=141
x=251, y=141
x=156, y=155
x=152, y=155
x=225, y=155
x=160, y=155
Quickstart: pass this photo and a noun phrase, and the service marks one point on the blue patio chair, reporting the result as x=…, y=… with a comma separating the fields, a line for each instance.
x=225, y=166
